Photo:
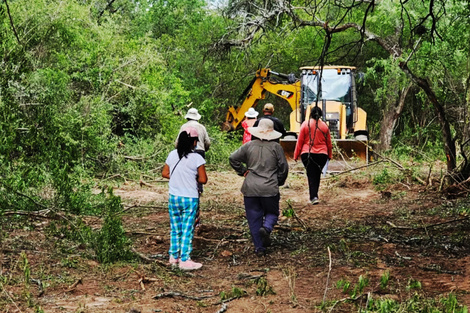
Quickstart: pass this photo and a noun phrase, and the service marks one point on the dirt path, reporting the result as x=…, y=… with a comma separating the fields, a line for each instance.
x=355, y=233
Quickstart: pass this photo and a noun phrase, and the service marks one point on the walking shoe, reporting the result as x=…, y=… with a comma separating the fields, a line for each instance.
x=189, y=265
x=265, y=238
x=173, y=261
x=315, y=201
x=260, y=253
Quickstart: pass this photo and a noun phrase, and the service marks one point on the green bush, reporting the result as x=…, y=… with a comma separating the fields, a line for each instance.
x=111, y=242
x=383, y=178
x=222, y=145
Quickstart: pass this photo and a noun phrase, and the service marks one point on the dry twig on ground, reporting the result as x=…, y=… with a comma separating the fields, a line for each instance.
x=142, y=256
x=428, y=226
x=144, y=206
x=142, y=280
x=74, y=285
x=143, y=183
x=223, y=308
x=327, y=277
x=37, y=214
x=356, y=168
x=148, y=260
x=220, y=240
x=171, y=294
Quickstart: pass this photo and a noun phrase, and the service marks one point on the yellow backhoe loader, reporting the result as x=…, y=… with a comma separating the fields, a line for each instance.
x=332, y=88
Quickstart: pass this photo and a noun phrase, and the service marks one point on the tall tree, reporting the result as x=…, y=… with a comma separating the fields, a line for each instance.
x=405, y=30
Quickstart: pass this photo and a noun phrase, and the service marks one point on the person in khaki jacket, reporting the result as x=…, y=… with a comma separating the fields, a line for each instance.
x=263, y=164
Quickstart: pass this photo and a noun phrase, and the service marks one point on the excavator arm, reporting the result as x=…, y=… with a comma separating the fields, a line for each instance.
x=339, y=106
x=263, y=82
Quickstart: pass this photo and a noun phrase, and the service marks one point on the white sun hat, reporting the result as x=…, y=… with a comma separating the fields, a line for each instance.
x=251, y=113
x=265, y=130
x=193, y=114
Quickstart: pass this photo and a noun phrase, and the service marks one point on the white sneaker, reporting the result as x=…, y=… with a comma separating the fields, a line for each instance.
x=315, y=201
x=189, y=265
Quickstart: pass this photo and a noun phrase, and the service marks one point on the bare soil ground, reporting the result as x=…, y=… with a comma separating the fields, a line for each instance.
x=415, y=235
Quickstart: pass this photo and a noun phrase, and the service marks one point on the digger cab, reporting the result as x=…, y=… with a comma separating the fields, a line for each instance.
x=333, y=89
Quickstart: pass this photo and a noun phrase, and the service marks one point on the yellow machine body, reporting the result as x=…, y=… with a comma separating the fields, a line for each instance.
x=336, y=96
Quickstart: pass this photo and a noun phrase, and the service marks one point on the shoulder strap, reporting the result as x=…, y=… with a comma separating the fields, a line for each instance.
x=178, y=163
x=175, y=167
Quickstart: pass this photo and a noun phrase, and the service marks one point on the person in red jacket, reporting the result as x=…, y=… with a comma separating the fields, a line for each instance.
x=315, y=149
x=249, y=121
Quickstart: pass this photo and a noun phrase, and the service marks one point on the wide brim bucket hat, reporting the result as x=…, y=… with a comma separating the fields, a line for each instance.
x=193, y=114
x=265, y=130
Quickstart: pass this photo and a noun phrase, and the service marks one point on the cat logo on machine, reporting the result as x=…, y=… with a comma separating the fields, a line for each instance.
x=286, y=94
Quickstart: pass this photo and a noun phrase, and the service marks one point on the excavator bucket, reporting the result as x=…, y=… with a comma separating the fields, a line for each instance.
x=288, y=144
x=347, y=149
x=343, y=149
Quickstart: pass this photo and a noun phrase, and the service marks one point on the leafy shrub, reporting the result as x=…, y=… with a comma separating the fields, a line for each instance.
x=222, y=145
x=235, y=293
x=384, y=279
x=451, y=304
x=70, y=194
x=383, y=178
x=111, y=242
x=263, y=288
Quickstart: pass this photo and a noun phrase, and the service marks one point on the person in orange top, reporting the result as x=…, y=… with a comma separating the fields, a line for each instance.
x=249, y=121
x=315, y=149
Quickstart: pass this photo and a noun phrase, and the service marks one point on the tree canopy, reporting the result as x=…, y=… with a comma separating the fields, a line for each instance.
x=413, y=36
x=87, y=85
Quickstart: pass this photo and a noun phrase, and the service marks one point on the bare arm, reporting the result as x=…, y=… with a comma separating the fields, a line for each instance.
x=166, y=171
x=201, y=174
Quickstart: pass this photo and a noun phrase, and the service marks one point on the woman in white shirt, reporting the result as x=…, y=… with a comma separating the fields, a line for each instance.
x=185, y=169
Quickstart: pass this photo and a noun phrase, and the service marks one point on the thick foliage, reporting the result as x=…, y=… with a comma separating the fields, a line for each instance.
x=111, y=243
x=89, y=89
x=96, y=89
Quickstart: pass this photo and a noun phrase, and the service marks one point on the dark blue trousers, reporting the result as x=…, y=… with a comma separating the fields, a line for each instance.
x=261, y=211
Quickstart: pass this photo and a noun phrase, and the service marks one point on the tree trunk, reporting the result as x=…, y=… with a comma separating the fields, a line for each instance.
x=449, y=143
x=389, y=120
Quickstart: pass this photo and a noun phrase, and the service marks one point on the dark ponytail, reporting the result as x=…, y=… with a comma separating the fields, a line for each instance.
x=185, y=144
